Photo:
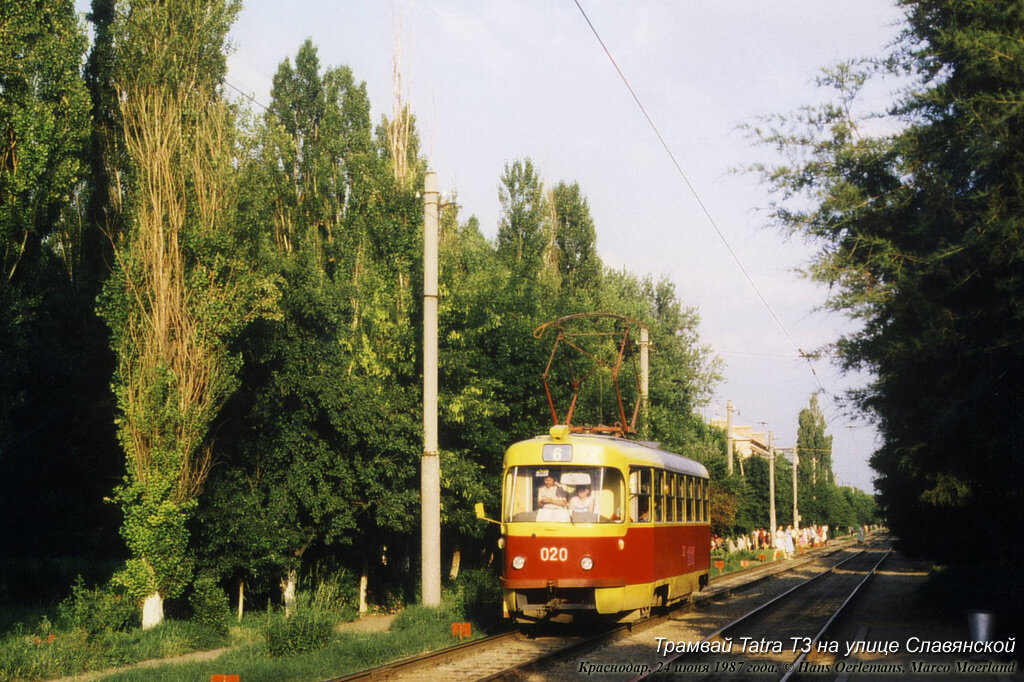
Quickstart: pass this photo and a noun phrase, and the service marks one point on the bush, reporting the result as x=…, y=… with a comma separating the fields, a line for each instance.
x=209, y=604
x=419, y=617
x=308, y=629
x=43, y=653
x=333, y=595
x=96, y=610
x=477, y=594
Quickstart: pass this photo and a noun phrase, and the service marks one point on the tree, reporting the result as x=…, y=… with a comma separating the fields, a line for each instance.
x=179, y=291
x=521, y=228
x=815, y=480
x=919, y=231
x=321, y=437
x=578, y=263
x=56, y=437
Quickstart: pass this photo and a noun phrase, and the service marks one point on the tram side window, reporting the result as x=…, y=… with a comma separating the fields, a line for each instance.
x=657, y=500
x=639, y=495
x=688, y=487
x=707, y=500
x=609, y=502
x=698, y=501
x=680, y=498
x=670, y=497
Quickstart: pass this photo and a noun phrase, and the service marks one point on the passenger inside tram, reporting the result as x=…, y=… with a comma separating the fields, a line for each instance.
x=564, y=494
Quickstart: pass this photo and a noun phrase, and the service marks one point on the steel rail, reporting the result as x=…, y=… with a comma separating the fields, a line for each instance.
x=750, y=614
x=795, y=665
x=466, y=649
x=425, y=659
x=627, y=630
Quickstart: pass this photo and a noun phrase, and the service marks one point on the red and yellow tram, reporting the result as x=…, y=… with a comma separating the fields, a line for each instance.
x=595, y=524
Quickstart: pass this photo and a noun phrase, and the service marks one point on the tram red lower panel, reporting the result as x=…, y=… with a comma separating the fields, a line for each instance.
x=647, y=554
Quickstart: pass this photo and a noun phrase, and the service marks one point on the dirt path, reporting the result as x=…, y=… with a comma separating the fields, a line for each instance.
x=369, y=623
x=196, y=657
x=374, y=622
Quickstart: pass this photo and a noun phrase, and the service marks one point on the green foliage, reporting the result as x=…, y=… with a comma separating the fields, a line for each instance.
x=319, y=443
x=181, y=290
x=418, y=618
x=96, y=610
x=155, y=530
x=44, y=123
x=520, y=240
x=55, y=433
x=579, y=265
x=306, y=630
x=210, y=607
x=476, y=594
x=920, y=240
x=818, y=497
x=47, y=652
x=348, y=653
x=35, y=654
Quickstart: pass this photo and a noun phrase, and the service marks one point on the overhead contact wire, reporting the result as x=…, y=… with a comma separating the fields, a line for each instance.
x=696, y=196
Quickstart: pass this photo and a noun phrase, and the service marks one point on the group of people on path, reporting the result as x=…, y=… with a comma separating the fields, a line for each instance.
x=787, y=540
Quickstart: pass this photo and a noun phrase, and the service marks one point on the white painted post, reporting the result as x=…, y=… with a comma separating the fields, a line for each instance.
x=645, y=346
x=771, y=486
x=430, y=472
x=796, y=465
x=728, y=435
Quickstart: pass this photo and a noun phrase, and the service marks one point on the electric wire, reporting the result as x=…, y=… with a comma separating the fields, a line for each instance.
x=699, y=200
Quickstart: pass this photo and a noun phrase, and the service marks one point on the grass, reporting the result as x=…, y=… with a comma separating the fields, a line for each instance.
x=415, y=630
x=734, y=560
x=265, y=646
x=46, y=652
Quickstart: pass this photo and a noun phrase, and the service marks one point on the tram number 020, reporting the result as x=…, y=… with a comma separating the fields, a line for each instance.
x=554, y=553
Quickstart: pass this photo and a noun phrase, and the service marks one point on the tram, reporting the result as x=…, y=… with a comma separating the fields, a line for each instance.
x=599, y=525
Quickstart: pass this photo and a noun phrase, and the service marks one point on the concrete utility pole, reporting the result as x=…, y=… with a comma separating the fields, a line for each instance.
x=728, y=435
x=796, y=465
x=645, y=346
x=430, y=470
x=771, y=485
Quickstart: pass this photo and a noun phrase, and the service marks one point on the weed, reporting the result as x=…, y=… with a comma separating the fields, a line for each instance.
x=96, y=610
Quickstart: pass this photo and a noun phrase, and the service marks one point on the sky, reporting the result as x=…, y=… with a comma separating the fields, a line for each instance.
x=495, y=81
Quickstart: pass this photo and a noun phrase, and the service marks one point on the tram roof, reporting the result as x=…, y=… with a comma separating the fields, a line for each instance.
x=610, y=449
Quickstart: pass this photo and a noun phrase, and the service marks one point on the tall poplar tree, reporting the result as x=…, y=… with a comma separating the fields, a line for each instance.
x=179, y=291
x=578, y=263
x=55, y=432
x=816, y=492
x=523, y=211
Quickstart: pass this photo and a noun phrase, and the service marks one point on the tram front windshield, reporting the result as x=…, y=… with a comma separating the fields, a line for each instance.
x=569, y=494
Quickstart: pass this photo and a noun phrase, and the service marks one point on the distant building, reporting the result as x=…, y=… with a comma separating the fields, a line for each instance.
x=746, y=442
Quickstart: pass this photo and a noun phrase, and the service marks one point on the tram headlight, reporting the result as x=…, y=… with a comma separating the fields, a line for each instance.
x=586, y=563
x=518, y=562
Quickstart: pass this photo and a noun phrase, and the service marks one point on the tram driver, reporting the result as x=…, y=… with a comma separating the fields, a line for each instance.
x=550, y=495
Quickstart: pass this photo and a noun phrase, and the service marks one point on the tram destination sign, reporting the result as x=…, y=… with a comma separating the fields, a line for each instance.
x=557, y=452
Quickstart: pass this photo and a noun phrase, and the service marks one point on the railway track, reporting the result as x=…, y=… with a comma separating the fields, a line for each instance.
x=773, y=640
x=514, y=655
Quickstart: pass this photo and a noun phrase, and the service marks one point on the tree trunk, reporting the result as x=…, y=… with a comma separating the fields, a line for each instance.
x=241, y=597
x=152, y=611
x=364, y=578
x=288, y=591
x=456, y=558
